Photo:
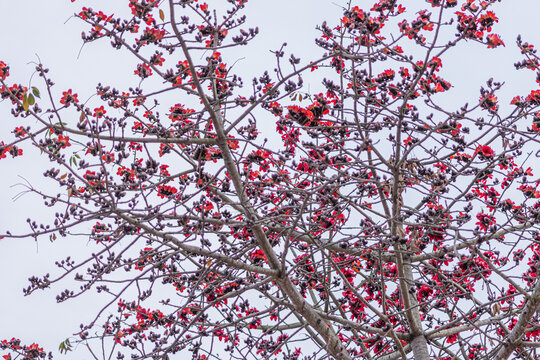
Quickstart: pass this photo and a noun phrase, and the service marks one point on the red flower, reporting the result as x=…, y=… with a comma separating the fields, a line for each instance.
x=12, y=150
x=68, y=97
x=387, y=75
x=139, y=100
x=517, y=100
x=276, y=108
x=135, y=146
x=91, y=177
x=257, y=256
x=489, y=102
x=166, y=191
x=108, y=157
x=20, y=131
x=494, y=40
x=255, y=324
x=14, y=93
x=267, y=87
x=408, y=141
x=128, y=174
x=424, y=292
x=149, y=19
x=300, y=115
x=534, y=97
x=4, y=70
x=100, y=111
x=143, y=70
x=153, y=35
x=233, y=144
x=485, y=151
x=157, y=59
x=164, y=149
x=484, y=220
x=442, y=85
x=163, y=170
x=529, y=191
x=536, y=122
x=435, y=63
x=63, y=141
x=452, y=338
x=179, y=113
x=487, y=20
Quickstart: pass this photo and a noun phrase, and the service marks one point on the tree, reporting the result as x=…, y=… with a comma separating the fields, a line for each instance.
x=375, y=221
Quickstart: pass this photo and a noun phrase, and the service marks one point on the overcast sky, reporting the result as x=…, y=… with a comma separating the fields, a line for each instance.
x=35, y=28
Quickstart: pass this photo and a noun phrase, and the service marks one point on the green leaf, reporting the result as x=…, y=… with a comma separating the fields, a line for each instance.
x=31, y=99
x=35, y=91
x=65, y=346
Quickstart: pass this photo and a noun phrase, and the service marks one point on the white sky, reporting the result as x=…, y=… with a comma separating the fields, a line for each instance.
x=32, y=28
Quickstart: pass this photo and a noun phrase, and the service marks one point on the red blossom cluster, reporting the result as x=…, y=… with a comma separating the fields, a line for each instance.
x=375, y=221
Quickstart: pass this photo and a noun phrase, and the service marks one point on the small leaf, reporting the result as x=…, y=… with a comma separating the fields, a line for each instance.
x=31, y=99
x=161, y=15
x=25, y=103
x=35, y=91
x=300, y=97
x=63, y=176
x=65, y=346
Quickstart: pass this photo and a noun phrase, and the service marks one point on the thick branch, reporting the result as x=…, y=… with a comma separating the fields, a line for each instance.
x=513, y=339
